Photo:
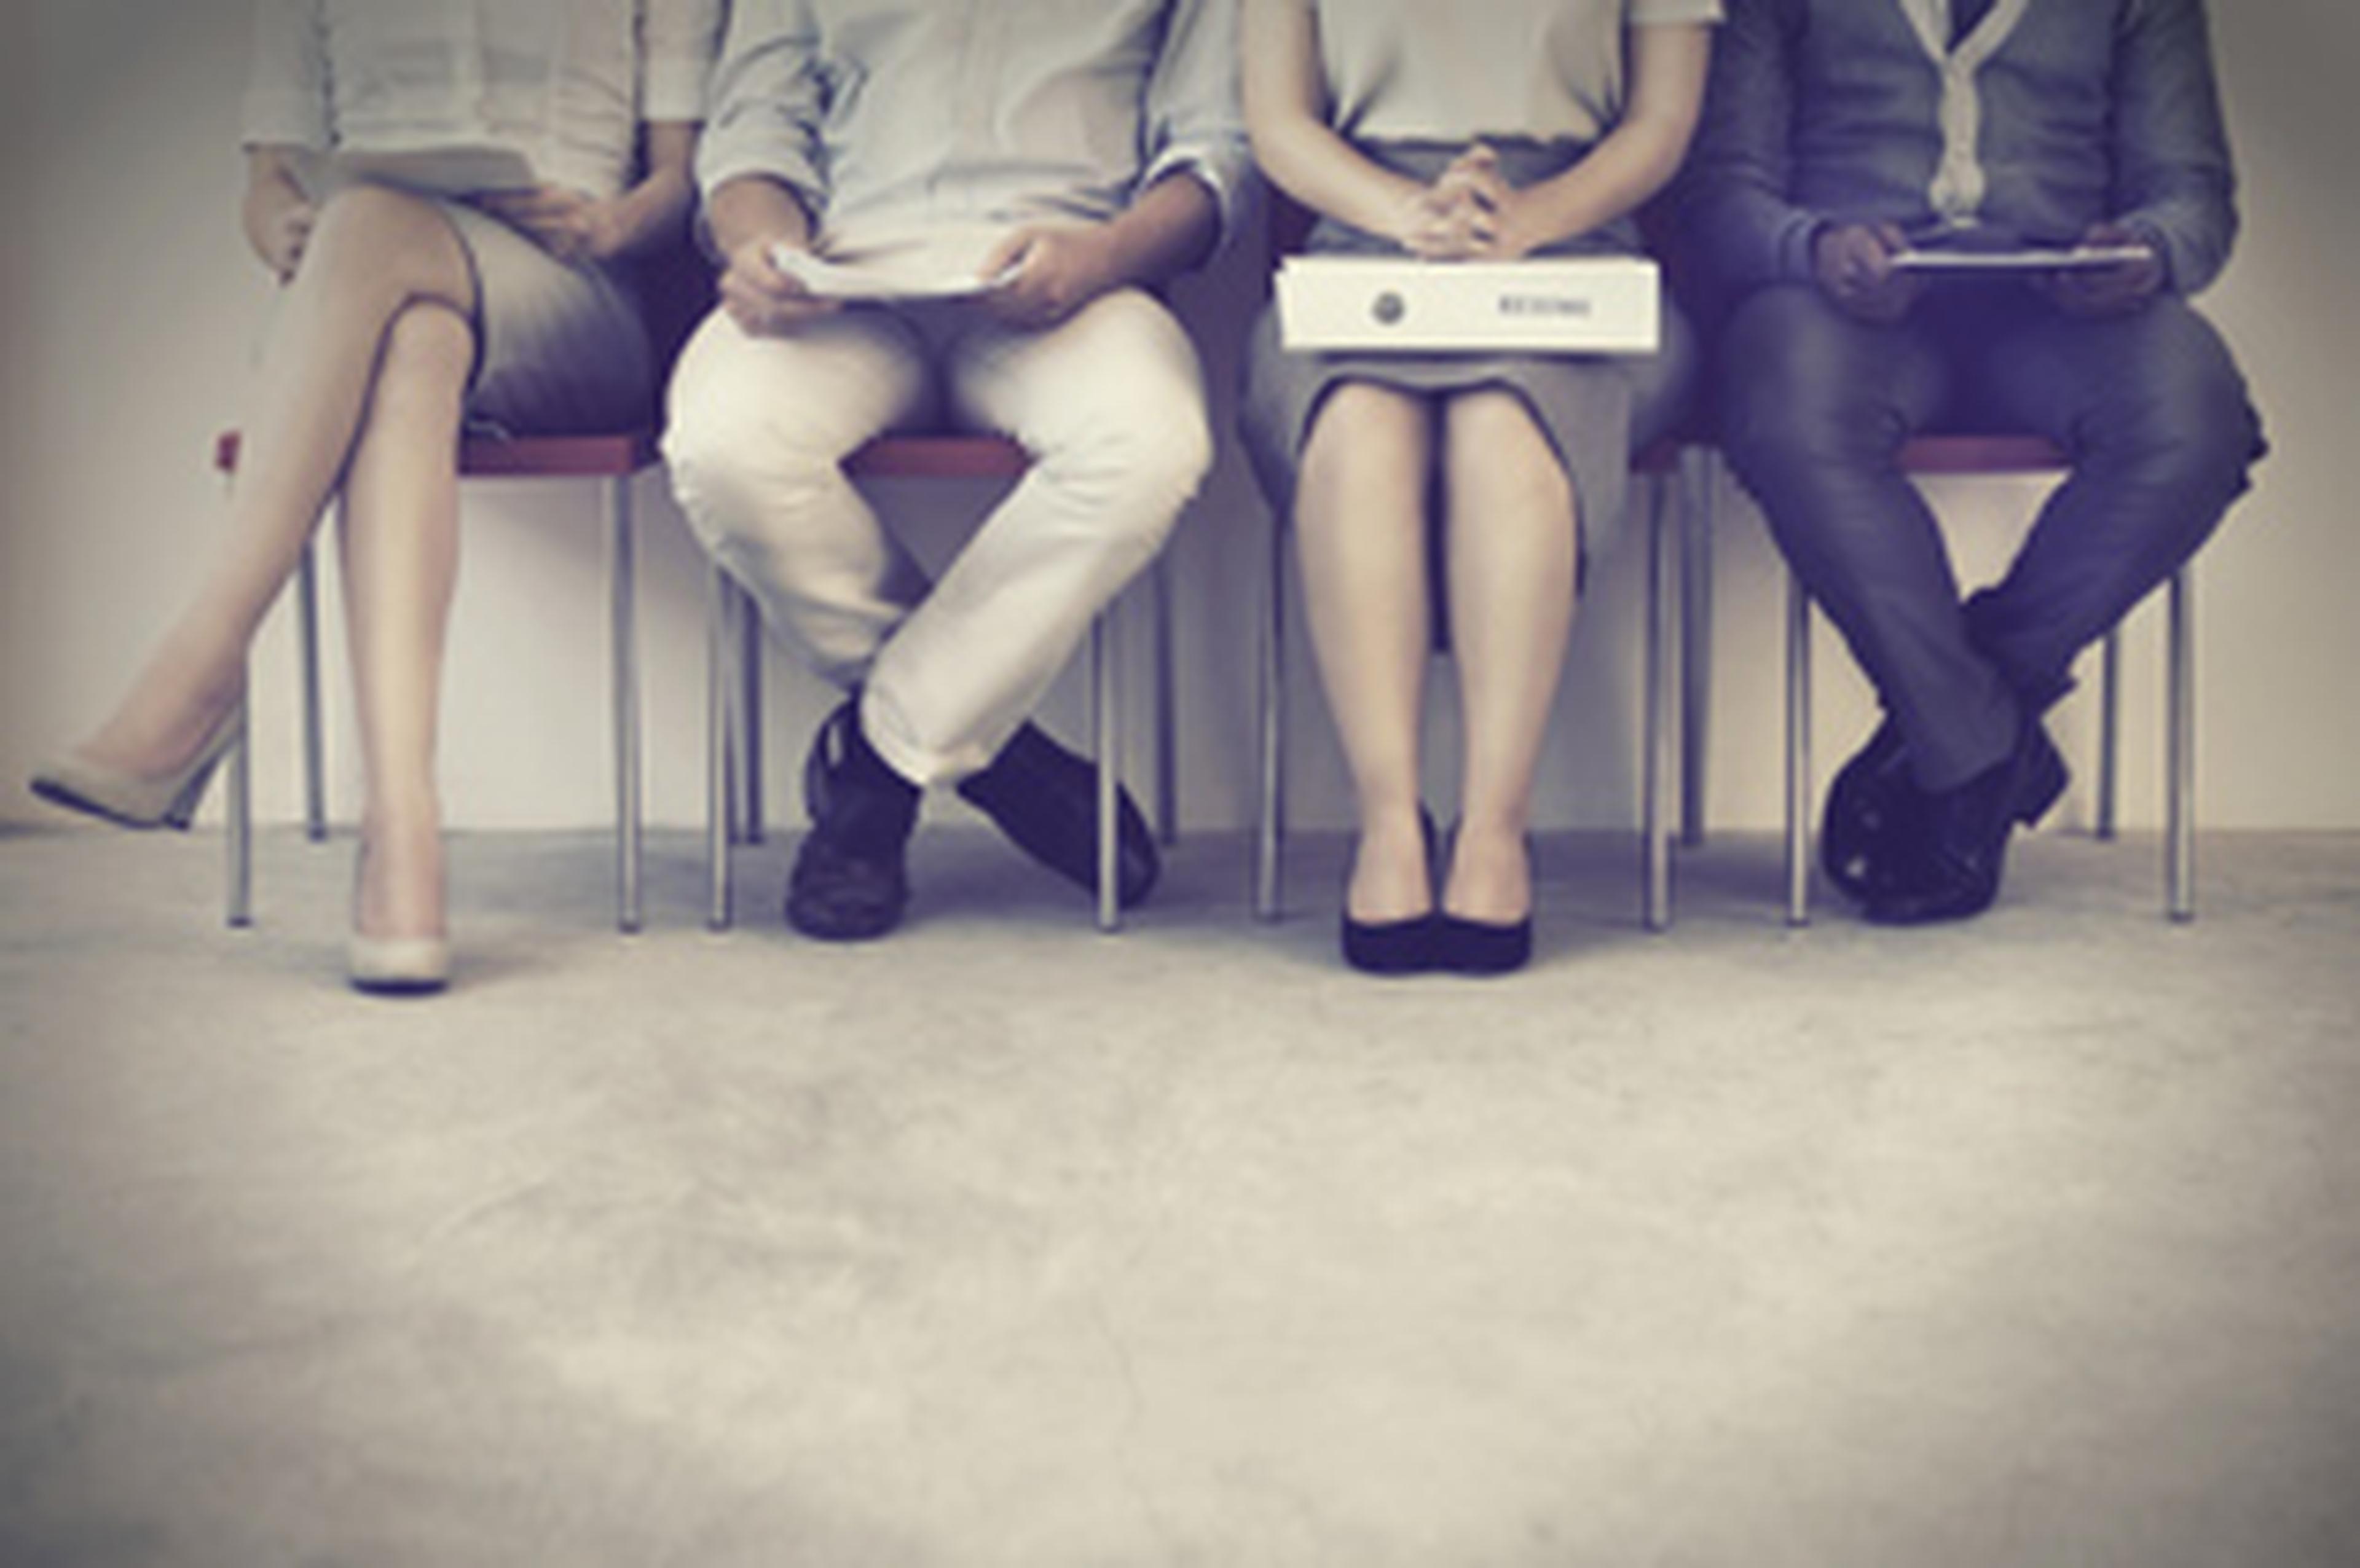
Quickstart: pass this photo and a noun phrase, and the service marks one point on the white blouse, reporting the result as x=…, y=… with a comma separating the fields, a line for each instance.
x=566, y=83
x=1448, y=71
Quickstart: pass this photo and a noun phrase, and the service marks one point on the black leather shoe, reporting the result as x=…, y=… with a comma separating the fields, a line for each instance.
x=1480, y=947
x=850, y=882
x=1045, y=799
x=1949, y=867
x=1390, y=947
x=1871, y=808
x=1397, y=947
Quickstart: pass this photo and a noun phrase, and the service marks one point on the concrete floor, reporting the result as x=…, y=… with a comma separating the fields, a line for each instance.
x=2035, y=1242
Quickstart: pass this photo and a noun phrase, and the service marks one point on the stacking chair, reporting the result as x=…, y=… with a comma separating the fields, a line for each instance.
x=734, y=681
x=616, y=459
x=1946, y=454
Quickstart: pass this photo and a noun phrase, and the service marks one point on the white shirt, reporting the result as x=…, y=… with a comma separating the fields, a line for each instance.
x=564, y=82
x=917, y=117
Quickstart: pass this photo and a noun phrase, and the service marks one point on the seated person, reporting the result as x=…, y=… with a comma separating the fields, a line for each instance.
x=1061, y=159
x=1840, y=132
x=1454, y=131
x=402, y=316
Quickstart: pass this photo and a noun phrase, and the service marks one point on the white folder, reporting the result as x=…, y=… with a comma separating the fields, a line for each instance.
x=1571, y=305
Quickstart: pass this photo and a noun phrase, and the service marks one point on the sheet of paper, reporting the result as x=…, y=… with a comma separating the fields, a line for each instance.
x=2077, y=259
x=903, y=273
x=432, y=171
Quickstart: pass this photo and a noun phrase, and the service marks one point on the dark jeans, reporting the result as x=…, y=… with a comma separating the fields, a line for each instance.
x=2149, y=407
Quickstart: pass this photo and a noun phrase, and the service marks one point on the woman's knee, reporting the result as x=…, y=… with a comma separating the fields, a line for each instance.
x=428, y=353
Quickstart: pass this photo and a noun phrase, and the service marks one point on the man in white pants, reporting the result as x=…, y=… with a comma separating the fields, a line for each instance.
x=1064, y=158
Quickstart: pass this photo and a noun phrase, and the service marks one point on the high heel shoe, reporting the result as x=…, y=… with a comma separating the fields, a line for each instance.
x=1394, y=947
x=132, y=801
x=1464, y=946
x=399, y=966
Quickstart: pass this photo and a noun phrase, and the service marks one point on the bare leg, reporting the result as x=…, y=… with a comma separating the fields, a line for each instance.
x=401, y=538
x=374, y=254
x=1359, y=518
x=1512, y=543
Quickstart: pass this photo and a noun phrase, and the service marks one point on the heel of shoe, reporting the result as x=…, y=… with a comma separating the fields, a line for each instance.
x=398, y=966
x=2044, y=782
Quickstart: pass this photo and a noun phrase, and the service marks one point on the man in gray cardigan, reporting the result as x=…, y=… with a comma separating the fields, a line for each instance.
x=1841, y=134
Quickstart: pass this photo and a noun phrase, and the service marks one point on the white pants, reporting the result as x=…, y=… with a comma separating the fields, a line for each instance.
x=1110, y=403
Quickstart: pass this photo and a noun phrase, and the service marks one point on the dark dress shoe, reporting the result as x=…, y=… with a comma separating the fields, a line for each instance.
x=1949, y=867
x=1045, y=799
x=1481, y=947
x=1391, y=947
x=1403, y=946
x=1872, y=806
x=850, y=881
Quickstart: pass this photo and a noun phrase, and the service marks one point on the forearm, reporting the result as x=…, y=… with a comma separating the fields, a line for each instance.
x=1172, y=226
x=1639, y=155
x=1287, y=121
x=652, y=211
x=754, y=208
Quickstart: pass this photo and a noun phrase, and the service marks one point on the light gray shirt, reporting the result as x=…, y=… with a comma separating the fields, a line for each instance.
x=1449, y=70
x=564, y=82
x=893, y=119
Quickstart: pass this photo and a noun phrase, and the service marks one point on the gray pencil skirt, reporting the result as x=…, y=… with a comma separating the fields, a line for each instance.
x=1595, y=411
x=559, y=348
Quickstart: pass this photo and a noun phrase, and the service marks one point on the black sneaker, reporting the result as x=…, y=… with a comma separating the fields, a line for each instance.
x=1044, y=799
x=850, y=882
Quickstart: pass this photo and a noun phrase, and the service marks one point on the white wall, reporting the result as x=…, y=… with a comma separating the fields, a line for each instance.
x=127, y=308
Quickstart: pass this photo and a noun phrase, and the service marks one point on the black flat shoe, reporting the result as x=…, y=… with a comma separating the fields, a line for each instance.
x=1045, y=799
x=1463, y=946
x=850, y=882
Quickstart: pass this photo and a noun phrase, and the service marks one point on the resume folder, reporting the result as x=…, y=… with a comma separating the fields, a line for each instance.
x=1576, y=305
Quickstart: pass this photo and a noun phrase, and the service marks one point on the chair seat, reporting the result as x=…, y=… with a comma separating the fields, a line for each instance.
x=606, y=455
x=939, y=457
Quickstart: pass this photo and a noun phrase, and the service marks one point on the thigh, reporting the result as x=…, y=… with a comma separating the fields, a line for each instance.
x=819, y=391
x=560, y=347
x=1792, y=362
x=1121, y=366
x=2161, y=375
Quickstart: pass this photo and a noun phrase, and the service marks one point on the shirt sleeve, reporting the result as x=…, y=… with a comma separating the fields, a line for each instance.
x=1735, y=214
x=677, y=40
x=286, y=78
x=1194, y=120
x=2173, y=182
x=769, y=101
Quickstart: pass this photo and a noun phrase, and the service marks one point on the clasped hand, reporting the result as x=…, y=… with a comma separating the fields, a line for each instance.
x=1471, y=212
x=569, y=224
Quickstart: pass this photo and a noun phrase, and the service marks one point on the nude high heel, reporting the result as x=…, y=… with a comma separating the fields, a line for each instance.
x=393, y=965
x=132, y=801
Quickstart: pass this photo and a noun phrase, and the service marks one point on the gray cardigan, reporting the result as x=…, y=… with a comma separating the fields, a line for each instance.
x=2050, y=117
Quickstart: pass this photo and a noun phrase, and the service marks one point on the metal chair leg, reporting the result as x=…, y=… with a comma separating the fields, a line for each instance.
x=306, y=649
x=1106, y=740
x=1656, y=725
x=1167, y=750
x=1699, y=489
x=238, y=834
x=720, y=771
x=1799, y=753
x=624, y=576
x=2180, y=654
x=748, y=617
x=1270, y=823
x=2110, y=704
